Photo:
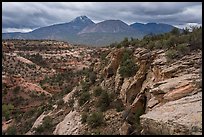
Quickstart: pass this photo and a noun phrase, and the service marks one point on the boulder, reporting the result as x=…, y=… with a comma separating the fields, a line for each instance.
x=70, y=125
x=124, y=130
x=182, y=116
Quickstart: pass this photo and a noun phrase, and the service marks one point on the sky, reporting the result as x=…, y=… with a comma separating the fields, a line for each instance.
x=26, y=16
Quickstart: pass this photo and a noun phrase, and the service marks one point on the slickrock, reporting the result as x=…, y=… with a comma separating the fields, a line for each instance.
x=70, y=125
x=183, y=116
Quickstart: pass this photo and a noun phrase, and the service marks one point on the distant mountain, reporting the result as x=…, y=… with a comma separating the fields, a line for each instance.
x=64, y=31
x=154, y=28
x=109, y=26
x=83, y=30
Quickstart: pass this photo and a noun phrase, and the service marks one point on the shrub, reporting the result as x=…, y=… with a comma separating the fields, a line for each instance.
x=85, y=96
x=39, y=129
x=104, y=101
x=128, y=68
x=46, y=125
x=92, y=77
x=159, y=44
x=171, y=54
x=175, y=31
x=125, y=42
x=16, y=90
x=6, y=110
x=196, y=38
x=119, y=105
x=85, y=86
x=47, y=122
x=60, y=102
x=11, y=130
x=183, y=48
x=67, y=90
x=97, y=91
x=71, y=102
x=84, y=117
x=137, y=115
x=95, y=119
x=151, y=45
x=171, y=41
x=112, y=45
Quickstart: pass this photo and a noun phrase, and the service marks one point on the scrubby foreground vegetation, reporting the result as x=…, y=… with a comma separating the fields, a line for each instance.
x=147, y=86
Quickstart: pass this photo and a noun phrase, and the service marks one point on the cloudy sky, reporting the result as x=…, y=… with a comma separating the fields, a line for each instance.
x=26, y=16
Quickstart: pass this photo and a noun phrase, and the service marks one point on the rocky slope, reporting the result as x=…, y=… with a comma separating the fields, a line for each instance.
x=162, y=97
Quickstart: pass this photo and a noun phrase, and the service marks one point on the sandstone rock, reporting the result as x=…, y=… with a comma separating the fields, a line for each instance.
x=118, y=81
x=169, y=84
x=69, y=96
x=183, y=116
x=179, y=92
x=70, y=125
x=124, y=130
x=152, y=102
x=115, y=58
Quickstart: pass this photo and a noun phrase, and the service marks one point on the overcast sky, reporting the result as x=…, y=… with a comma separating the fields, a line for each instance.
x=26, y=16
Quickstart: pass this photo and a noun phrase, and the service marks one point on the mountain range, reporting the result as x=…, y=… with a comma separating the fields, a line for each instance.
x=83, y=30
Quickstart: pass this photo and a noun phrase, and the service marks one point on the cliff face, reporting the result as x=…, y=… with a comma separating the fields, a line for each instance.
x=166, y=94
x=162, y=97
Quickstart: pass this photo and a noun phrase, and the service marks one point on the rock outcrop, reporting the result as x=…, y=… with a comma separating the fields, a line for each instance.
x=181, y=117
x=70, y=125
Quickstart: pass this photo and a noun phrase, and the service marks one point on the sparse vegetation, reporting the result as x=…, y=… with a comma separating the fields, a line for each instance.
x=97, y=91
x=84, y=117
x=171, y=54
x=11, y=130
x=95, y=119
x=119, y=105
x=127, y=68
x=16, y=90
x=45, y=126
x=85, y=96
x=7, y=110
x=104, y=101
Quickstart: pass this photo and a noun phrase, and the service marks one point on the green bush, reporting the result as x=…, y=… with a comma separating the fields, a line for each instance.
x=159, y=44
x=16, y=90
x=95, y=119
x=151, y=45
x=85, y=96
x=195, y=39
x=84, y=118
x=171, y=54
x=85, y=86
x=92, y=77
x=128, y=68
x=171, y=41
x=39, y=129
x=175, y=31
x=11, y=130
x=97, y=91
x=183, y=48
x=71, y=102
x=7, y=110
x=104, y=101
x=137, y=115
x=119, y=105
x=125, y=42
x=45, y=126
x=60, y=102
x=47, y=122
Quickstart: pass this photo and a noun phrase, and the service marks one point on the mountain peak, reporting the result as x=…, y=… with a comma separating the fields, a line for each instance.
x=82, y=19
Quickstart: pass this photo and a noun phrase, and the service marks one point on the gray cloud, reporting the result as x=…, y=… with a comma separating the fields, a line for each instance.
x=37, y=14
